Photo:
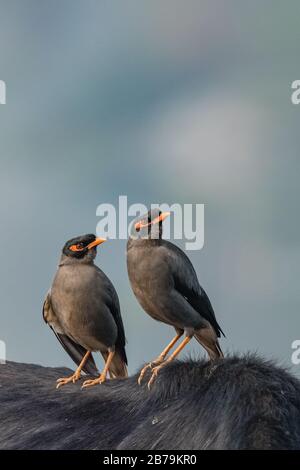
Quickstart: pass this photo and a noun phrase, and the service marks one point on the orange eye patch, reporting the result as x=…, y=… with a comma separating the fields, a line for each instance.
x=78, y=247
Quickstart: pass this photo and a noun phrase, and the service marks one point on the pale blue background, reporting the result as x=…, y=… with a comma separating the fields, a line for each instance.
x=164, y=101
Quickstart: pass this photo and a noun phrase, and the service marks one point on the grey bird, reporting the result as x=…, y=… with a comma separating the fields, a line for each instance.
x=165, y=283
x=82, y=308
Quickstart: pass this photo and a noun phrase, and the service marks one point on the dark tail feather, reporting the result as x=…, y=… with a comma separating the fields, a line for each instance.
x=118, y=368
x=219, y=348
x=207, y=338
x=76, y=352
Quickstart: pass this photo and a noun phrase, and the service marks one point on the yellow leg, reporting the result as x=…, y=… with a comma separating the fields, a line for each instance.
x=102, y=377
x=76, y=375
x=159, y=359
x=155, y=371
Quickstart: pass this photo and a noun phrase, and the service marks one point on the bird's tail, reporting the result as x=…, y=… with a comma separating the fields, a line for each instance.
x=208, y=339
x=118, y=365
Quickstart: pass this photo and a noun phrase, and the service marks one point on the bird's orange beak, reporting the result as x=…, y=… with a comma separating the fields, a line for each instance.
x=158, y=219
x=161, y=217
x=98, y=241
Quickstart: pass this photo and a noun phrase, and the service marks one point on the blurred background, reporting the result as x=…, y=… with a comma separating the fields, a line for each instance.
x=162, y=101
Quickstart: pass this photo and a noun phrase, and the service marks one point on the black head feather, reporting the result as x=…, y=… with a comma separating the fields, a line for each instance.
x=83, y=240
x=147, y=229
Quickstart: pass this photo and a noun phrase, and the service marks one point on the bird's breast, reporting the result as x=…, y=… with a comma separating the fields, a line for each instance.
x=149, y=279
x=75, y=296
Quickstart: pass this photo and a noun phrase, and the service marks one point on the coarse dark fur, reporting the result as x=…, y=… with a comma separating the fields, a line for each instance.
x=234, y=403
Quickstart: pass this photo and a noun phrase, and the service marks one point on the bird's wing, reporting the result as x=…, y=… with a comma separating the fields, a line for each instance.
x=75, y=350
x=112, y=301
x=187, y=284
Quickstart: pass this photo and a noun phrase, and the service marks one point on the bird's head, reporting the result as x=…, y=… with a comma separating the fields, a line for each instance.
x=83, y=247
x=149, y=225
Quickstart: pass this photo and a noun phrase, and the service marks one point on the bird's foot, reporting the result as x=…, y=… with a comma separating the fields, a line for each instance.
x=64, y=381
x=151, y=365
x=155, y=372
x=92, y=382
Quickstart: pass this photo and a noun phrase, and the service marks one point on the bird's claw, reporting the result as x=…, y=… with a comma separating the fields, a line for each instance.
x=92, y=382
x=155, y=371
x=143, y=371
x=150, y=365
x=66, y=380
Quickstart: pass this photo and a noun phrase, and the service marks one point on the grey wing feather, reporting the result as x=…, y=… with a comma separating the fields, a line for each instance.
x=186, y=282
x=75, y=350
x=112, y=301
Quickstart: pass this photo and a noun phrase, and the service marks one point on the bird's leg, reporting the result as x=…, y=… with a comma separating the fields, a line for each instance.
x=102, y=377
x=155, y=370
x=160, y=358
x=76, y=375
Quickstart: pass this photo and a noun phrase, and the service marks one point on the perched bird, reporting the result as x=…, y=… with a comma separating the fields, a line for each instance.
x=82, y=308
x=166, y=285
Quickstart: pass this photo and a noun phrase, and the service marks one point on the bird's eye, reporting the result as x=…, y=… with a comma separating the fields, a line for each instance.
x=77, y=247
x=142, y=224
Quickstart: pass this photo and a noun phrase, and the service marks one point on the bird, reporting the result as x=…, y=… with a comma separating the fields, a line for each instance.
x=82, y=308
x=165, y=284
